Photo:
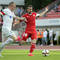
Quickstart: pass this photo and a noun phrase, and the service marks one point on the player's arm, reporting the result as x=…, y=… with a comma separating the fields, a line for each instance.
x=5, y=12
x=16, y=22
x=41, y=14
x=20, y=18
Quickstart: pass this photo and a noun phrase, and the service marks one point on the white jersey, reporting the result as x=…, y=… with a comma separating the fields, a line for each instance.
x=8, y=18
x=45, y=34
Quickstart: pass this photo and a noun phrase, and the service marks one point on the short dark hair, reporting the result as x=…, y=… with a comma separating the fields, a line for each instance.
x=29, y=6
x=11, y=3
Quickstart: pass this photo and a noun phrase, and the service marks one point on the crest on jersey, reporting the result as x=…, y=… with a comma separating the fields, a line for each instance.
x=33, y=15
x=10, y=17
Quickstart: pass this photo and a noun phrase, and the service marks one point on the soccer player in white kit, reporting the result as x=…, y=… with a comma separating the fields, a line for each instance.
x=7, y=34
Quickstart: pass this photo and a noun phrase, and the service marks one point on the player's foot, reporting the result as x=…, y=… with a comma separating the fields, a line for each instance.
x=30, y=54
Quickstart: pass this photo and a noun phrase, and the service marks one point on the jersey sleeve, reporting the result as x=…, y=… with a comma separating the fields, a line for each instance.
x=37, y=15
x=5, y=11
x=24, y=15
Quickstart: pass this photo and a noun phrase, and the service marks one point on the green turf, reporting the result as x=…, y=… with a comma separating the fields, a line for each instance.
x=23, y=55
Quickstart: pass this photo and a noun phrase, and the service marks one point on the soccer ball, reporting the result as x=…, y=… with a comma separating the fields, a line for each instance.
x=45, y=52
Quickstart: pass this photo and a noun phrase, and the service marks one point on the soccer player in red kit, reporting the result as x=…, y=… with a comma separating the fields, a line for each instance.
x=30, y=30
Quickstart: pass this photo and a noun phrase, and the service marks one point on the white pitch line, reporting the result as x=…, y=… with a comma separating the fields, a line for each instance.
x=27, y=53
x=20, y=53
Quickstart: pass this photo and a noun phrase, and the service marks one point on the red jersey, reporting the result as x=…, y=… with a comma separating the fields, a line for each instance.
x=31, y=27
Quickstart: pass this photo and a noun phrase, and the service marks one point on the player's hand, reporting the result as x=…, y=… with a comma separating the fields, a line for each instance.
x=15, y=23
x=25, y=19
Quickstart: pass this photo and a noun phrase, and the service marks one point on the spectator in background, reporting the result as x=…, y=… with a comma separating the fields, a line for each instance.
x=41, y=35
x=44, y=39
x=51, y=37
x=17, y=11
x=56, y=8
x=57, y=35
x=38, y=37
x=22, y=11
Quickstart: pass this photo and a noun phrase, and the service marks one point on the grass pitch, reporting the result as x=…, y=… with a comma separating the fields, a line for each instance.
x=23, y=55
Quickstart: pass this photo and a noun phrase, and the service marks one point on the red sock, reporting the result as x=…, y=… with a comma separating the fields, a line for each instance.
x=32, y=48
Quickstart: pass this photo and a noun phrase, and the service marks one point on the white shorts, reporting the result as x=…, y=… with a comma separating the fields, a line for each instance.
x=6, y=33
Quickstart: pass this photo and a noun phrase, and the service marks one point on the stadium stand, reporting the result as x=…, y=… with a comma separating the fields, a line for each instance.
x=52, y=14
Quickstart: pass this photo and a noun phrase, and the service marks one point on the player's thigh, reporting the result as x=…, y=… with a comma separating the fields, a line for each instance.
x=25, y=36
x=4, y=38
x=34, y=38
x=4, y=34
x=9, y=33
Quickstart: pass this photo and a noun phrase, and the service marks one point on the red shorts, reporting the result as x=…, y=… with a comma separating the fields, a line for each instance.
x=26, y=35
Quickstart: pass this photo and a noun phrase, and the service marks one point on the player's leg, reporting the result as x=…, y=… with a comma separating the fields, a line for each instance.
x=24, y=37
x=9, y=40
x=10, y=37
x=3, y=38
x=33, y=44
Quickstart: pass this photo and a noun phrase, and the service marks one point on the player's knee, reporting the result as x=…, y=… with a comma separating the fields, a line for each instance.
x=33, y=45
x=24, y=37
x=33, y=41
x=13, y=37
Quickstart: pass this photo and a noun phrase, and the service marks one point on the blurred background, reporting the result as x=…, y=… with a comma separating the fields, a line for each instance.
x=50, y=22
